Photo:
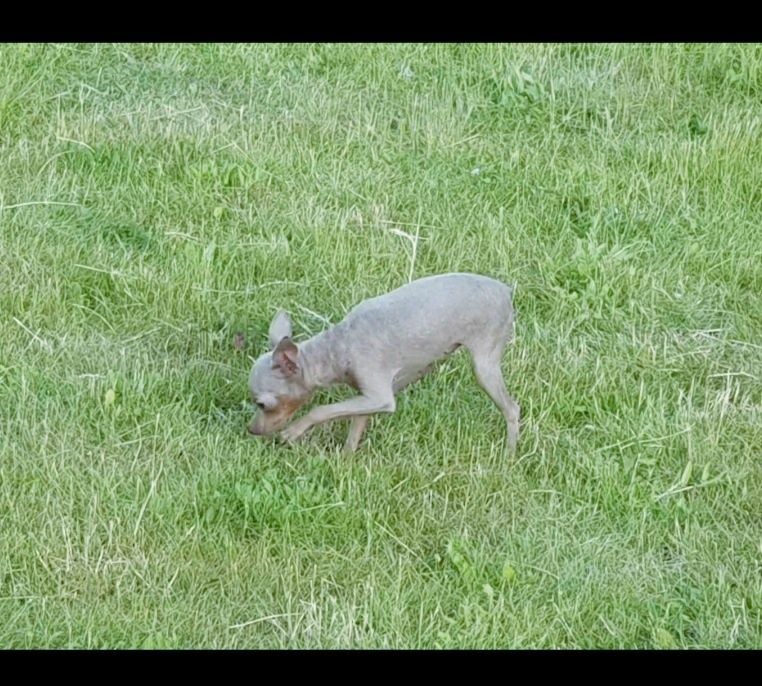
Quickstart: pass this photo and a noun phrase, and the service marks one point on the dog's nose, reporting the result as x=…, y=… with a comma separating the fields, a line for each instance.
x=253, y=430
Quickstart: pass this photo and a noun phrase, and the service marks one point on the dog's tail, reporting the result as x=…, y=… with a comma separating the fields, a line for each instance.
x=512, y=300
x=511, y=290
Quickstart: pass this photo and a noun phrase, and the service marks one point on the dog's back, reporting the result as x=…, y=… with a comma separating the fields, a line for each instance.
x=430, y=317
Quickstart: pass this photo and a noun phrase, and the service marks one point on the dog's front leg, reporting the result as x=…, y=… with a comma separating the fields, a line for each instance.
x=356, y=429
x=360, y=405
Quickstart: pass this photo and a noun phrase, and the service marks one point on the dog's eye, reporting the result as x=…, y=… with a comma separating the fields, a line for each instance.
x=261, y=406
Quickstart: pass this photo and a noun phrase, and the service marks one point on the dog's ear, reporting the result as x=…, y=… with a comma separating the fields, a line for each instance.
x=284, y=357
x=280, y=328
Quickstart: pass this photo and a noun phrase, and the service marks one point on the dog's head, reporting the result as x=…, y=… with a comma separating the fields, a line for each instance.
x=276, y=382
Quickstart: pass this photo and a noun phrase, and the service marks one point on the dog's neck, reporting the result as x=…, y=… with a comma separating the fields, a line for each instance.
x=325, y=361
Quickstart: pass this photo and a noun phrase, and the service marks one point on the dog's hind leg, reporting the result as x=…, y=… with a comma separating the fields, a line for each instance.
x=486, y=361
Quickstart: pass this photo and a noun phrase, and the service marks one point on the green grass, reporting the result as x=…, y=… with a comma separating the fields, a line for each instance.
x=155, y=200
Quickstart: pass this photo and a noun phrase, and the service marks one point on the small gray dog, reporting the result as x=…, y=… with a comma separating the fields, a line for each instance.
x=385, y=344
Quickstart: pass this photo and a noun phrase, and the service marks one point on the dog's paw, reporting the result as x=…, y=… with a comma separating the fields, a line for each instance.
x=292, y=434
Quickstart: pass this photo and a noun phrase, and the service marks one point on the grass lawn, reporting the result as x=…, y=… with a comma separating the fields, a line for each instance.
x=157, y=199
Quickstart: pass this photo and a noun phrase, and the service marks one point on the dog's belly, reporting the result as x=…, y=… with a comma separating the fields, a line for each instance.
x=410, y=374
x=405, y=377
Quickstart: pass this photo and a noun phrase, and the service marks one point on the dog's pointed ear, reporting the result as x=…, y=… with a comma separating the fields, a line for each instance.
x=280, y=328
x=285, y=357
